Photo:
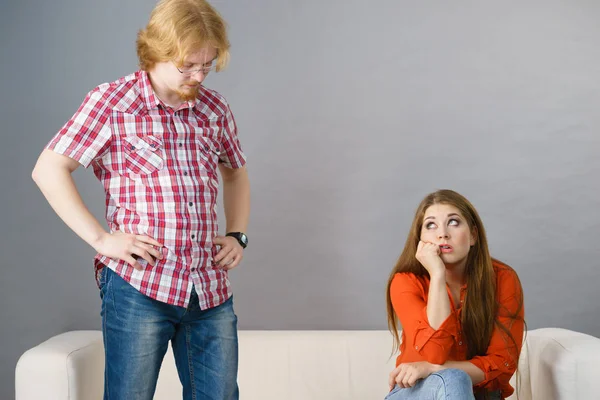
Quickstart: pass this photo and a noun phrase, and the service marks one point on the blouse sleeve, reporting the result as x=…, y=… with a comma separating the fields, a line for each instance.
x=408, y=300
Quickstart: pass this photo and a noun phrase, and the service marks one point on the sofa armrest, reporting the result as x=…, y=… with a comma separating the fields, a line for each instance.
x=563, y=364
x=69, y=366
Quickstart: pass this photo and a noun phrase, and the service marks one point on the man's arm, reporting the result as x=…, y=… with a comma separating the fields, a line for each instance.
x=236, y=202
x=236, y=198
x=53, y=175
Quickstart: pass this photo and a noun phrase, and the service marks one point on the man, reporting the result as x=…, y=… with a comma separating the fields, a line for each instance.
x=155, y=140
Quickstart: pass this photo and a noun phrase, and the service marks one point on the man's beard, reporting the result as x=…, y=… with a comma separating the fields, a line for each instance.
x=189, y=93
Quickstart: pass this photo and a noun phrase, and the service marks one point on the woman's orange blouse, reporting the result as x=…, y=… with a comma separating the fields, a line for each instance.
x=420, y=342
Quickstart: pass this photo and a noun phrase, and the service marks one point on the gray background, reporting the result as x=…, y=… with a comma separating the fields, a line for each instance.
x=349, y=112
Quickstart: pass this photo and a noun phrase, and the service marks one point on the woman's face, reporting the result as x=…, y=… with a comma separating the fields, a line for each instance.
x=445, y=226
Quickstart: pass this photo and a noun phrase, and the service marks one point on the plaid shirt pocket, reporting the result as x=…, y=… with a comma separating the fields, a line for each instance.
x=209, y=152
x=143, y=154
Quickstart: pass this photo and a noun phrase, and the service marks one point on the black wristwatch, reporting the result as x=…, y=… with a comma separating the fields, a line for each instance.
x=241, y=238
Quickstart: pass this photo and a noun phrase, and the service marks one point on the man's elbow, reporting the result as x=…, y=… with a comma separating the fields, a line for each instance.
x=41, y=169
x=36, y=174
x=49, y=164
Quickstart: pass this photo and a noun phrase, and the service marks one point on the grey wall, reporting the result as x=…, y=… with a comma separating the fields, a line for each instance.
x=349, y=112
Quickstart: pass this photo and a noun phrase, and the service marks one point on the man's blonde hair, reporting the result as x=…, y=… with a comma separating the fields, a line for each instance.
x=177, y=28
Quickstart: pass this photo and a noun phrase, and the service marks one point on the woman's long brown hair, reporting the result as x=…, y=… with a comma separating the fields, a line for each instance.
x=480, y=308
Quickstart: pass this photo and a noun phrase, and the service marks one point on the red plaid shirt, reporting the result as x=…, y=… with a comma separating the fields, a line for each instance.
x=159, y=170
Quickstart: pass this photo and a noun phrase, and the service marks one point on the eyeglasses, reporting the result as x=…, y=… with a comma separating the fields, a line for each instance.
x=205, y=69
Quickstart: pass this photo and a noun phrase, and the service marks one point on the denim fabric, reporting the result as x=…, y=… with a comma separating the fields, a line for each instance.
x=448, y=384
x=137, y=329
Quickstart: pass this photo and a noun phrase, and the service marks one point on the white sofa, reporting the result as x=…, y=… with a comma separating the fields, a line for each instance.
x=556, y=364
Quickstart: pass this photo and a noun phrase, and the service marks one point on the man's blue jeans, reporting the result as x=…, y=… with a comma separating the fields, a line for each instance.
x=448, y=384
x=137, y=330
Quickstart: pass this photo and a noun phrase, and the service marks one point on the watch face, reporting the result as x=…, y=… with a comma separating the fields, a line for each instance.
x=241, y=237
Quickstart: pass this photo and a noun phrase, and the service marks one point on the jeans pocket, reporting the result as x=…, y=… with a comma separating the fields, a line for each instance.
x=101, y=278
x=104, y=281
x=130, y=305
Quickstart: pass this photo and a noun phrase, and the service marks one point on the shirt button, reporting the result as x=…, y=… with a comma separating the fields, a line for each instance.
x=191, y=204
x=205, y=148
x=416, y=347
x=193, y=269
x=506, y=364
x=132, y=147
x=180, y=144
x=193, y=236
x=185, y=173
x=460, y=343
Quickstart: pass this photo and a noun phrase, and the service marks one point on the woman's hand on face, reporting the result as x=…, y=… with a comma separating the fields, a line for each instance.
x=428, y=254
x=406, y=375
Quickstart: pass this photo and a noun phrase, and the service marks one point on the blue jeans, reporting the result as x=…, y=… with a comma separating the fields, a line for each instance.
x=448, y=384
x=137, y=330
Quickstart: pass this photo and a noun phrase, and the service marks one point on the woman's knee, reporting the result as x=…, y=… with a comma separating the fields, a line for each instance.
x=455, y=375
x=455, y=383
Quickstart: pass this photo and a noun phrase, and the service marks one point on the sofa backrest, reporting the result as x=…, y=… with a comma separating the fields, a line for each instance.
x=303, y=365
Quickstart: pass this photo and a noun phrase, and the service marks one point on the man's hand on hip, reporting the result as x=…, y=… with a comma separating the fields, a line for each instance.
x=128, y=247
x=230, y=254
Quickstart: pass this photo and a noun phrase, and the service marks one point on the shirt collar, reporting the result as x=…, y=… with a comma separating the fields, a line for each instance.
x=151, y=100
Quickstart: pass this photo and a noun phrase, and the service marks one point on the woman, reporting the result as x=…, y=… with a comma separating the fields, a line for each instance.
x=461, y=311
